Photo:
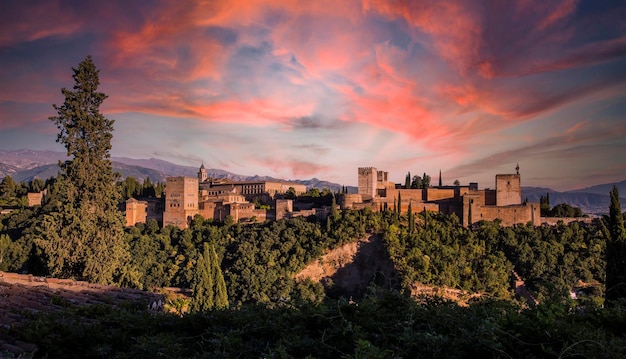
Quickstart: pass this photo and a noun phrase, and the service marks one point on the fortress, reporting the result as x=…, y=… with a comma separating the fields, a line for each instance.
x=216, y=199
x=468, y=202
x=212, y=199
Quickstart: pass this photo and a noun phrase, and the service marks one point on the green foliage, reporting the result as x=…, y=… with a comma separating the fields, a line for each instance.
x=615, y=250
x=565, y=210
x=560, y=210
x=7, y=187
x=208, y=286
x=84, y=238
x=550, y=259
x=384, y=324
x=291, y=193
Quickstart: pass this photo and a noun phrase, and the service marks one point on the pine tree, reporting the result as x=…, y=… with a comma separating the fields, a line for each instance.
x=208, y=285
x=84, y=238
x=615, y=250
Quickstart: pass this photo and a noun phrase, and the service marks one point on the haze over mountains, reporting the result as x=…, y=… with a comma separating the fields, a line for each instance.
x=24, y=165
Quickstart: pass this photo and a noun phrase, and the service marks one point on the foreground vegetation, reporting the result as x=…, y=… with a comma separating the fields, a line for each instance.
x=385, y=324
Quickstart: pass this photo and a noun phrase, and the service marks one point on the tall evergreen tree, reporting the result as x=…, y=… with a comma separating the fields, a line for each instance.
x=615, y=250
x=407, y=181
x=208, y=285
x=440, y=182
x=84, y=238
x=411, y=218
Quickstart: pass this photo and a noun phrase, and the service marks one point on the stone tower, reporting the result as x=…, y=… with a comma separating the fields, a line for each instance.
x=508, y=190
x=368, y=177
x=202, y=175
x=181, y=201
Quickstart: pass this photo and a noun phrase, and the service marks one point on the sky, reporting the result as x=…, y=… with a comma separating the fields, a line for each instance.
x=303, y=89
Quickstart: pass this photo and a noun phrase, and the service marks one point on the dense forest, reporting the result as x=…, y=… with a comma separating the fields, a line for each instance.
x=272, y=315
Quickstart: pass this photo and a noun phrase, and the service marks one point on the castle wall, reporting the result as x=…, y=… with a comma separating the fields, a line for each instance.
x=508, y=190
x=438, y=194
x=347, y=200
x=215, y=210
x=242, y=211
x=410, y=194
x=510, y=215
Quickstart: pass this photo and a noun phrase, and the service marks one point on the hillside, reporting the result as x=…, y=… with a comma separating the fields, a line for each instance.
x=594, y=202
x=349, y=269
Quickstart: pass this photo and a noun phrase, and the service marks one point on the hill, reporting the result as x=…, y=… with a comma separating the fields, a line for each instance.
x=593, y=202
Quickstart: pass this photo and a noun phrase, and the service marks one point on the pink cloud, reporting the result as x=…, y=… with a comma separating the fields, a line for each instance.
x=294, y=168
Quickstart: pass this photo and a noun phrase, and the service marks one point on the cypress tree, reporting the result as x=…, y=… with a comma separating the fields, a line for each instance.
x=615, y=250
x=207, y=285
x=221, y=294
x=84, y=238
x=440, y=183
x=411, y=219
x=407, y=181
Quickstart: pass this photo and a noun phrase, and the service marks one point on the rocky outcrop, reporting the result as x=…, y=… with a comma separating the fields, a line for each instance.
x=351, y=268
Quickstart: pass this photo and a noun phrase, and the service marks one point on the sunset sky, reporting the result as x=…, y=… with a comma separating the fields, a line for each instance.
x=302, y=89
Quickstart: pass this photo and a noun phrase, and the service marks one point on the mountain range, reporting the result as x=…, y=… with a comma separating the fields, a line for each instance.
x=24, y=165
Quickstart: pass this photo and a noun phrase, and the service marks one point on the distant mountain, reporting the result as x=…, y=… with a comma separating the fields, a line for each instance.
x=42, y=172
x=25, y=165
x=26, y=159
x=595, y=202
x=603, y=188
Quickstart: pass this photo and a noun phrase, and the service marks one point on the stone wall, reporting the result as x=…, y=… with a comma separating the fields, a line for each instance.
x=347, y=200
x=438, y=194
x=509, y=215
